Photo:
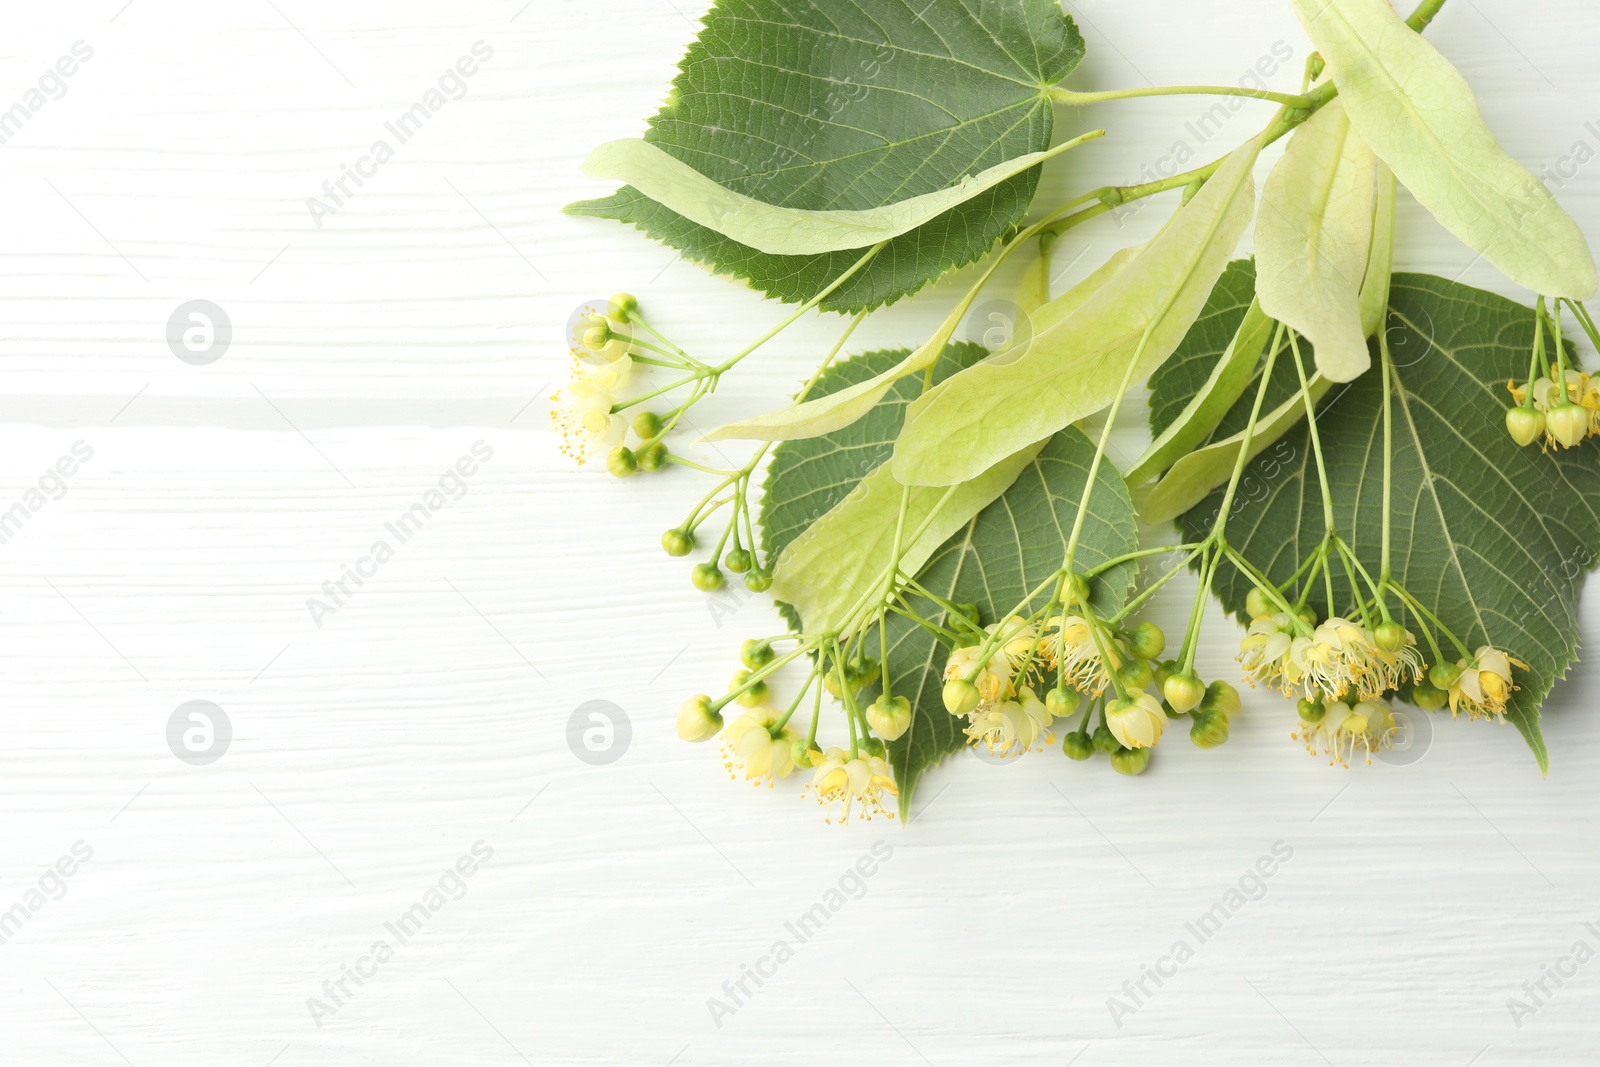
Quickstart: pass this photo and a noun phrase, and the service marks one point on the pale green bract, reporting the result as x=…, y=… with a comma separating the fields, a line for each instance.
x=1201, y=415
x=1313, y=232
x=837, y=572
x=789, y=231
x=1074, y=364
x=836, y=410
x=1419, y=115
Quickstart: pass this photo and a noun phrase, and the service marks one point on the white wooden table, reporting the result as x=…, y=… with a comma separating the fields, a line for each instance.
x=423, y=721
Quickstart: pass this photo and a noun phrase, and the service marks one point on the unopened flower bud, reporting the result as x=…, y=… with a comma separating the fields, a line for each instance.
x=968, y=612
x=1075, y=590
x=1077, y=746
x=1130, y=761
x=654, y=457
x=1256, y=604
x=960, y=696
x=862, y=672
x=1390, y=636
x=1062, y=702
x=800, y=752
x=1164, y=670
x=751, y=696
x=1444, y=675
x=1184, y=692
x=1568, y=424
x=1136, y=675
x=889, y=717
x=697, y=720
x=706, y=577
x=646, y=424
x=1427, y=696
x=677, y=542
x=621, y=462
x=756, y=653
x=1105, y=740
x=596, y=337
x=758, y=581
x=622, y=307
x=739, y=560
x=1148, y=641
x=1311, y=711
x=1525, y=425
x=1220, y=696
x=1209, y=729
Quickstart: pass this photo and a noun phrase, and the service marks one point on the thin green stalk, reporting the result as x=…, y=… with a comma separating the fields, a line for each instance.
x=1067, y=96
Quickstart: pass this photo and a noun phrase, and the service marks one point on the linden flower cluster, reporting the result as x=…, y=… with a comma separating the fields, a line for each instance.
x=994, y=683
x=760, y=745
x=1564, y=418
x=584, y=415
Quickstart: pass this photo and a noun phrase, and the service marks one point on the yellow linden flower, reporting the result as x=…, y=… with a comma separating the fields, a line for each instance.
x=993, y=679
x=1484, y=685
x=1382, y=670
x=1012, y=727
x=840, y=782
x=584, y=418
x=1344, y=730
x=1137, y=721
x=1264, y=653
x=750, y=740
x=1070, y=645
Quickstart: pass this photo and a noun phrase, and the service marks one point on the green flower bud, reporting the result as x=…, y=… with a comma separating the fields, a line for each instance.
x=800, y=752
x=1148, y=641
x=968, y=612
x=646, y=424
x=654, y=457
x=1075, y=590
x=698, y=720
x=596, y=337
x=758, y=581
x=960, y=696
x=1164, y=670
x=1391, y=636
x=1130, y=761
x=1307, y=616
x=1220, y=696
x=889, y=718
x=1062, y=702
x=739, y=560
x=1568, y=424
x=1428, y=697
x=862, y=672
x=872, y=746
x=621, y=462
x=1256, y=604
x=752, y=696
x=706, y=577
x=1184, y=692
x=1209, y=729
x=1077, y=746
x=1105, y=740
x=1136, y=674
x=1444, y=675
x=1525, y=425
x=677, y=542
x=1310, y=710
x=622, y=307
x=756, y=653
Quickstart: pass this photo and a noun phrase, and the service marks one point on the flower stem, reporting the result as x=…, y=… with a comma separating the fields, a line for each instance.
x=1067, y=96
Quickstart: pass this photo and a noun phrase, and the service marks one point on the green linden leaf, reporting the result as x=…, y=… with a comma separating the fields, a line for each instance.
x=1492, y=538
x=993, y=560
x=831, y=105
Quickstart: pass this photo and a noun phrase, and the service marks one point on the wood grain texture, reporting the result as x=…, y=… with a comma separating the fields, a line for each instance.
x=431, y=710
